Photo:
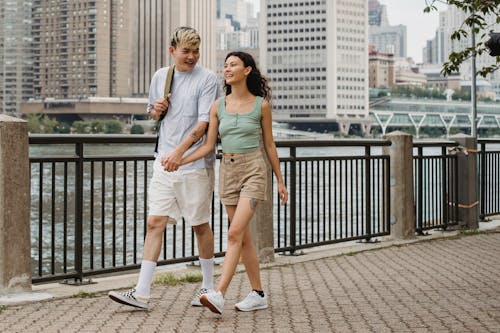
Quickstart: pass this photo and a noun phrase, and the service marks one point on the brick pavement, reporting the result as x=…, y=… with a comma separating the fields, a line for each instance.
x=442, y=285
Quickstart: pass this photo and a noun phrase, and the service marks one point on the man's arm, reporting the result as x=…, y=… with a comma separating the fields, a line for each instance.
x=172, y=161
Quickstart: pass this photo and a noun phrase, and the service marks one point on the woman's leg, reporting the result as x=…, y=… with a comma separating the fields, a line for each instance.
x=239, y=215
x=248, y=254
x=250, y=260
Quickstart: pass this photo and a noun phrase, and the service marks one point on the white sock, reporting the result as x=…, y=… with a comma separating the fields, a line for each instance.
x=207, y=271
x=143, y=287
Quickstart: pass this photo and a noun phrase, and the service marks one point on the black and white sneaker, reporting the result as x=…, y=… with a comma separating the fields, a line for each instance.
x=129, y=298
x=196, y=299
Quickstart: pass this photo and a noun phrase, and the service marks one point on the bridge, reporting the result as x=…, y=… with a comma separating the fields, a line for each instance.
x=384, y=113
x=419, y=113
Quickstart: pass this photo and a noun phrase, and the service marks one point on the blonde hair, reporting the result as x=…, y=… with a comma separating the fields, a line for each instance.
x=185, y=36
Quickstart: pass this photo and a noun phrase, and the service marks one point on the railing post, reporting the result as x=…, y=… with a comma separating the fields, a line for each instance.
x=368, y=186
x=482, y=185
x=15, y=246
x=79, y=212
x=293, y=199
x=402, y=213
x=262, y=226
x=467, y=181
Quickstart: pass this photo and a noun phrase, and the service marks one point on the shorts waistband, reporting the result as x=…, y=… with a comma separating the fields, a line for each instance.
x=243, y=157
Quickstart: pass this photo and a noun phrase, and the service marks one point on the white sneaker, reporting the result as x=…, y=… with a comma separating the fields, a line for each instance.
x=129, y=298
x=196, y=299
x=213, y=300
x=252, y=302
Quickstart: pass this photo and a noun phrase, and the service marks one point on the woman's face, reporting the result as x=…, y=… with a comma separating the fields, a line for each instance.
x=235, y=71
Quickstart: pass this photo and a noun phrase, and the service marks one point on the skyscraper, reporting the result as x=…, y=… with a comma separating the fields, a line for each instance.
x=110, y=48
x=377, y=13
x=386, y=38
x=316, y=56
x=15, y=55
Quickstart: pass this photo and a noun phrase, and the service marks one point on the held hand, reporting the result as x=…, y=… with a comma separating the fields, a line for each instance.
x=283, y=193
x=172, y=161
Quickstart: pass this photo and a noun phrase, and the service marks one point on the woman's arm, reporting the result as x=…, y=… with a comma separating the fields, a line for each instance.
x=270, y=147
x=209, y=145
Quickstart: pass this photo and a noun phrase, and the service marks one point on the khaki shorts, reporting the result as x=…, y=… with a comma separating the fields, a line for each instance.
x=182, y=193
x=242, y=175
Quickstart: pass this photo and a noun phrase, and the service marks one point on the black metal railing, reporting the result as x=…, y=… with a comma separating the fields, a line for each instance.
x=339, y=191
x=89, y=202
x=489, y=177
x=435, y=183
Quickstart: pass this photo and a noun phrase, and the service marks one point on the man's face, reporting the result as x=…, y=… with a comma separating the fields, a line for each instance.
x=185, y=56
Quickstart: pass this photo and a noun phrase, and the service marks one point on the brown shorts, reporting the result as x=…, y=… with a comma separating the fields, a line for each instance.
x=242, y=175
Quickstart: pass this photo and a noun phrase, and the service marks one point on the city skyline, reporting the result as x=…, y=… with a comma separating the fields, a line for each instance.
x=420, y=26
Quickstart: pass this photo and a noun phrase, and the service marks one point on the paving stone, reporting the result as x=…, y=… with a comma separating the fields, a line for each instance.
x=448, y=285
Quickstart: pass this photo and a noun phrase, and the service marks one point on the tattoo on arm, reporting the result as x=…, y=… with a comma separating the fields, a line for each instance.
x=194, y=135
x=253, y=203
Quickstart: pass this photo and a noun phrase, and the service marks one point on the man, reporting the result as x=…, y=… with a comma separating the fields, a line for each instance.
x=186, y=192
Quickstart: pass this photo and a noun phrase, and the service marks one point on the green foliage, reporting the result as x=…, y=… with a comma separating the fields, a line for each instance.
x=96, y=126
x=113, y=127
x=170, y=279
x=84, y=294
x=412, y=91
x=62, y=128
x=136, y=129
x=42, y=124
x=34, y=123
x=48, y=125
x=81, y=127
x=475, y=22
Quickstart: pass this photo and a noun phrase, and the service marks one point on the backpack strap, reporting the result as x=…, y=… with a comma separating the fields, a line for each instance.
x=168, y=82
x=168, y=88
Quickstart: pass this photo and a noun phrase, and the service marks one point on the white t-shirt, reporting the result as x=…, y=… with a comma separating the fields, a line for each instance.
x=192, y=95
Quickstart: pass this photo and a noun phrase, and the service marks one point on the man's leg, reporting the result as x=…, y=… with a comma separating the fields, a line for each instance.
x=205, y=238
x=152, y=246
x=139, y=296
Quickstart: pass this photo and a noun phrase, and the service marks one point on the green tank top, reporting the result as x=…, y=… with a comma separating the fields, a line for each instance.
x=240, y=133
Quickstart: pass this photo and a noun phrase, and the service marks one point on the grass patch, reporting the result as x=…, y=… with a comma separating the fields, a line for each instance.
x=84, y=294
x=2, y=307
x=170, y=279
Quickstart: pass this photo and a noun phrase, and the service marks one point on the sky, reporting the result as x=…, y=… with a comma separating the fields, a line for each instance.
x=419, y=26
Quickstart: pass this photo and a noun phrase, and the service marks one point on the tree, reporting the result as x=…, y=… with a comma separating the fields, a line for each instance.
x=477, y=12
x=48, y=125
x=34, y=123
x=81, y=127
x=113, y=127
x=96, y=126
x=136, y=129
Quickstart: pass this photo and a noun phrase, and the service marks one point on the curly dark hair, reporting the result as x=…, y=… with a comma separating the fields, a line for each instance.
x=256, y=82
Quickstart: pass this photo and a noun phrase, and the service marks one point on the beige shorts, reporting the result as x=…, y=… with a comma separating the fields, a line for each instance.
x=182, y=193
x=242, y=175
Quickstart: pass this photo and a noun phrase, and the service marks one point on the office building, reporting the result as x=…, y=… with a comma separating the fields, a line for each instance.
x=377, y=14
x=389, y=39
x=316, y=56
x=381, y=69
x=15, y=55
x=386, y=38
x=110, y=48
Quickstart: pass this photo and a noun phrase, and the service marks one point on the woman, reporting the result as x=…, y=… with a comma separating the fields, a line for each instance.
x=244, y=121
